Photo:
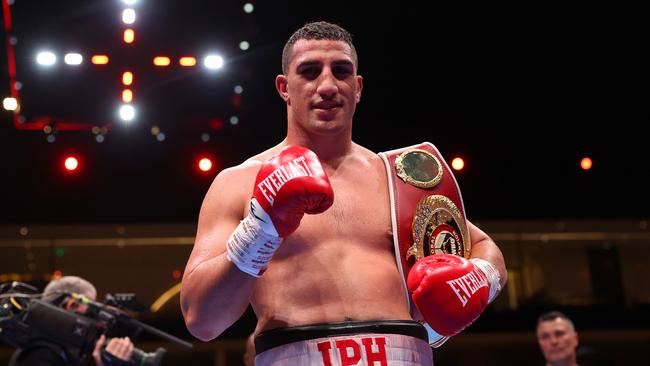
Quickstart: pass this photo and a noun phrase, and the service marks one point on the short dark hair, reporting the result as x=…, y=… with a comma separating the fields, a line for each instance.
x=318, y=31
x=552, y=315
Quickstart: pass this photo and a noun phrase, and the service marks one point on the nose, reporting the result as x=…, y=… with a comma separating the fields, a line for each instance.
x=327, y=87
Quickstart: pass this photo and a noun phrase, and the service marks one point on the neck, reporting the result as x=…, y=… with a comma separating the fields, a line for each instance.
x=330, y=149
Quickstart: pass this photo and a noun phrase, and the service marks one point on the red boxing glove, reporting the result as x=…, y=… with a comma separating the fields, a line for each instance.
x=451, y=292
x=288, y=185
x=291, y=184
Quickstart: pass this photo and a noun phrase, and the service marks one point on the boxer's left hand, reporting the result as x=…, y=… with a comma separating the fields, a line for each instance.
x=451, y=292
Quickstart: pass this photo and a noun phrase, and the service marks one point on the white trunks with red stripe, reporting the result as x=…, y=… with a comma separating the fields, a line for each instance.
x=398, y=343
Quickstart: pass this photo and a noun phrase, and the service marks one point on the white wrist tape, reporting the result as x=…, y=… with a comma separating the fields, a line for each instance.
x=251, y=246
x=492, y=276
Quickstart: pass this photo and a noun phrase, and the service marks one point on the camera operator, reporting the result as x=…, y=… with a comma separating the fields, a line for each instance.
x=51, y=354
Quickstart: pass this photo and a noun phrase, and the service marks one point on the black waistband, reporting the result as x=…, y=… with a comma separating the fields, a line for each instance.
x=281, y=336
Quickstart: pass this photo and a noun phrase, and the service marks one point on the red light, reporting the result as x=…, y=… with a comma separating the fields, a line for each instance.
x=176, y=274
x=586, y=163
x=71, y=163
x=205, y=164
x=216, y=124
x=57, y=274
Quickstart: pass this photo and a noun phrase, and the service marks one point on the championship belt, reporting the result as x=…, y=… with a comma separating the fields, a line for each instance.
x=427, y=212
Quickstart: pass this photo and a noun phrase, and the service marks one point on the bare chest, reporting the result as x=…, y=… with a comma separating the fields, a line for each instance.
x=360, y=214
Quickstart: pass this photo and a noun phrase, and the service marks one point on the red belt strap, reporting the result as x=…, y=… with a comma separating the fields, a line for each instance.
x=426, y=206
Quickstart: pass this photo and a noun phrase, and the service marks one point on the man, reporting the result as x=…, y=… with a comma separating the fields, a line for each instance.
x=325, y=286
x=53, y=355
x=557, y=339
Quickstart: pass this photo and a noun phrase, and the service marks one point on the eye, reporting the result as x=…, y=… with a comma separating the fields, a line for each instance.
x=342, y=72
x=310, y=72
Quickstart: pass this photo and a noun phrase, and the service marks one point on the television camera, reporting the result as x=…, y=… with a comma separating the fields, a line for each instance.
x=25, y=319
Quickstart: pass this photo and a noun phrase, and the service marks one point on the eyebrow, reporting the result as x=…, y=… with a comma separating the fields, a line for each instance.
x=307, y=64
x=316, y=63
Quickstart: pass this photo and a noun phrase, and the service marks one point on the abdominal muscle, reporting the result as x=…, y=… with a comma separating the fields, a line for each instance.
x=329, y=282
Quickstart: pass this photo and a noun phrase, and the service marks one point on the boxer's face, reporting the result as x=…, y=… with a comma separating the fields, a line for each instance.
x=321, y=87
x=557, y=340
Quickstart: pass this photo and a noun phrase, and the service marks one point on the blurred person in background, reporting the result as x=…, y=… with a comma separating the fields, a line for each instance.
x=51, y=354
x=557, y=338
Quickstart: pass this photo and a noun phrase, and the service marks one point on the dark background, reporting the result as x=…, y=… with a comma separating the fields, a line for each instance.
x=521, y=91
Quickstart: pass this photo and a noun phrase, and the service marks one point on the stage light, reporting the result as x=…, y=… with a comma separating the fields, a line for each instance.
x=73, y=59
x=205, y=164
x=129, y=2
x=239, y=89
x=187, y=61
x=10, y=104
x=234, y=120
x=99, y=59
x=128, y=16
x=161, y=61
x=127, y=78
x=213, y=62
x=127, y=112
x=71, y=163
x=127, y=96
x=129, y=35
x=248, y=8
x=243, y=45
x=586, y=163
x=458, y=164
x=46, y=58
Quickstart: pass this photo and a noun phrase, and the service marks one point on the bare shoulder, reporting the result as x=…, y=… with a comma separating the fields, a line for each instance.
x=239, y=177
x=224, y=205
x=366, y=156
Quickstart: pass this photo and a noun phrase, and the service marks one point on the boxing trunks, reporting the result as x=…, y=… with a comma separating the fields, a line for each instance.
x=427, y=211
x=386, y=342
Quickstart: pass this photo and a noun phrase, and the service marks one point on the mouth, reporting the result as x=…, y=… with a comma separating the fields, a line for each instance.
x=326, y=106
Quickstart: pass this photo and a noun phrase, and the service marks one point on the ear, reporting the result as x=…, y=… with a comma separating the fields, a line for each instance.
x=359, y=87
x=281, y=86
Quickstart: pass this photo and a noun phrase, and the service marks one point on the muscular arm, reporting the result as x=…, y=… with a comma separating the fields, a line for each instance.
x=484, y=247
x=214, y=292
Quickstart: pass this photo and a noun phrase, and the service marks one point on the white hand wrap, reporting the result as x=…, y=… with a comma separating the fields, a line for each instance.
x=254, y=241
x=492, y=275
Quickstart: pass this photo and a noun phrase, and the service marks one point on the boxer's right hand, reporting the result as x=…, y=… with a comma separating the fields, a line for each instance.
x=288, y=185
